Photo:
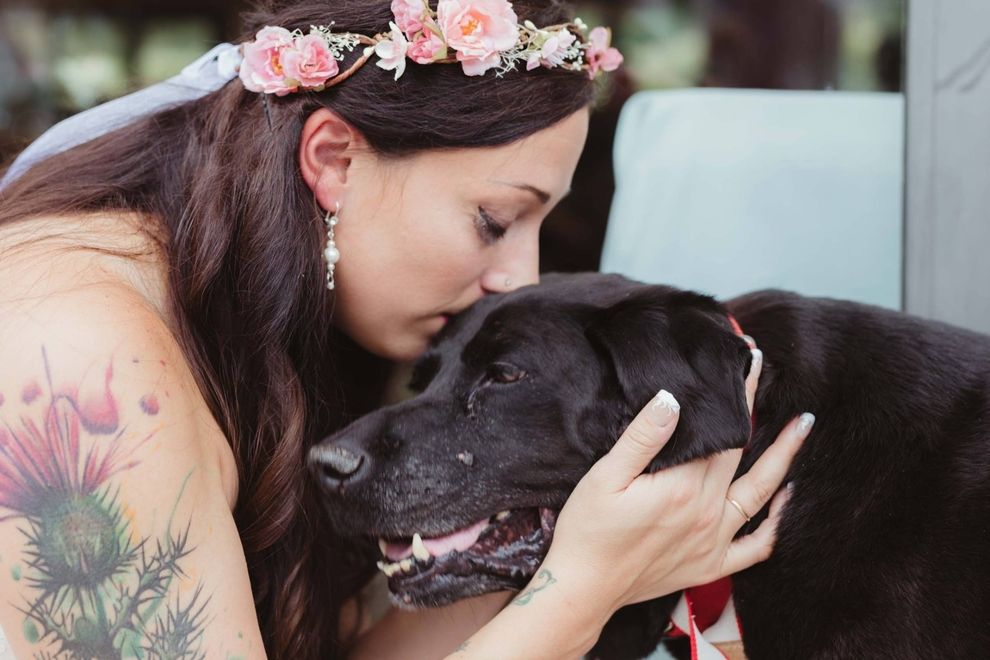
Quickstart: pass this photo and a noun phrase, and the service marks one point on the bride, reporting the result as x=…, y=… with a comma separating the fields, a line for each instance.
x=201, y=280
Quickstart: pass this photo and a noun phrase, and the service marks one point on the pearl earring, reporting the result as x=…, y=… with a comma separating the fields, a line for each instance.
x=331, y=254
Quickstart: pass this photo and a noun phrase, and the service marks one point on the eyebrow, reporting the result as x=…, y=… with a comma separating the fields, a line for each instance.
x=541, y=195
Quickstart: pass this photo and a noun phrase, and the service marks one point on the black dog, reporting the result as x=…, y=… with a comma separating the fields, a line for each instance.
x=883, y=550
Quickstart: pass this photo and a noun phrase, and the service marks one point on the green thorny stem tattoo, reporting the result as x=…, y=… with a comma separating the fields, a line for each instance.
x=526, y=596
x=99, y=593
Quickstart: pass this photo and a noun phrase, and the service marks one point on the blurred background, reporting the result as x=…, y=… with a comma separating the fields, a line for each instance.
x=58, y=57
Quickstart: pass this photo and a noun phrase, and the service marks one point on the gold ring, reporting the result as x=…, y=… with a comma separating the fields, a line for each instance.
x=739, y=508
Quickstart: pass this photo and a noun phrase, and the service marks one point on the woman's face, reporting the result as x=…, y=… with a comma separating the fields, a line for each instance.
x=424, y=237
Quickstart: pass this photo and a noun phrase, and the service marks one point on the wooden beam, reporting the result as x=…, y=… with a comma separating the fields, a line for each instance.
x=947, y=232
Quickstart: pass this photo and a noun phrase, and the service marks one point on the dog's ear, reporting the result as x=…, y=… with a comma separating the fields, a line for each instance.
x=683, y=342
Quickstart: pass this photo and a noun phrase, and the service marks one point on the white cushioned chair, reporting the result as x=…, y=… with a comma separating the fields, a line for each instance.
x=729, y=191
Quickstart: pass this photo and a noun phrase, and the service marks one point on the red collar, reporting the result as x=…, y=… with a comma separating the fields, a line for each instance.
x=752, y=419
x=735, y=325
x=707, y=602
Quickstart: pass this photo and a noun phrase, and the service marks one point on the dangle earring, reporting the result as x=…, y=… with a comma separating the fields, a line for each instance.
x=331, y=254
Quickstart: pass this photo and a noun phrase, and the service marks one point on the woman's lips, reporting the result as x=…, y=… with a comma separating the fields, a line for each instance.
x=437, y=323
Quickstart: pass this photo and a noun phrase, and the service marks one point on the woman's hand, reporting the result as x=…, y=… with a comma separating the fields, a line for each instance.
x=624, y=537
x=635, y=537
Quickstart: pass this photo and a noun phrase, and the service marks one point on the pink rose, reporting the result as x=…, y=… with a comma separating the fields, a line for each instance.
x=409, y=15
x=600, y=56
x=309, y=63
x=262, y=69
x=479, y=30
x=426, y=48
x=478, y=66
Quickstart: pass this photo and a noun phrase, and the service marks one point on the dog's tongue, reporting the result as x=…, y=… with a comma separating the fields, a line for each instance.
x=460, y=541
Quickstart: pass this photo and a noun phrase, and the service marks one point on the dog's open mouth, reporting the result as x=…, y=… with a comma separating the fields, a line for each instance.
x=499, y=552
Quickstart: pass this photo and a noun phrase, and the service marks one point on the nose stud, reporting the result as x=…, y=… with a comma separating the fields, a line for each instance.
x=508, y=283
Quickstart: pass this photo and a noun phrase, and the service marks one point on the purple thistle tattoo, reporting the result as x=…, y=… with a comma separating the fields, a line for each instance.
x=97, y=592
x=42, y=466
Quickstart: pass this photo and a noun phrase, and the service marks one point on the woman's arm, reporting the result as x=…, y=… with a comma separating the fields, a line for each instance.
x=430, y=633
x=116, y=533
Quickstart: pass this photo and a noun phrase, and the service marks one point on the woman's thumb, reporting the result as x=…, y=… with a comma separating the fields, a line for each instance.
x=641, y=441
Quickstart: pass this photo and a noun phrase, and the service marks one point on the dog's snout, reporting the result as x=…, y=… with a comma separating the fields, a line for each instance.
x=336, y=464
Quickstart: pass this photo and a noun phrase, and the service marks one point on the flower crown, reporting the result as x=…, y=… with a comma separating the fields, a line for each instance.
x=479, y=34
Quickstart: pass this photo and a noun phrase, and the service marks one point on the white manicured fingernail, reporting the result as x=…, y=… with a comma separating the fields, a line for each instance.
x=664, y=408
x=805, y=423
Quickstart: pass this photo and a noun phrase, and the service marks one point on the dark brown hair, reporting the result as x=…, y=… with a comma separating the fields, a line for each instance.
x=219, y=182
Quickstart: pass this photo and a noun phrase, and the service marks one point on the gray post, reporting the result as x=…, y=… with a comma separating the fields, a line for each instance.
x=947, y=231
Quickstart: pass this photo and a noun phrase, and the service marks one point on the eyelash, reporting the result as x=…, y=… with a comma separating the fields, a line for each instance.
x=489, y=228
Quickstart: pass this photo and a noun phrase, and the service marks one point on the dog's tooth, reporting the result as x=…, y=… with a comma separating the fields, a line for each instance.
x=383, y=546
x=502, y=516
x=390, y=569
x=406, y=565
x=419, y=548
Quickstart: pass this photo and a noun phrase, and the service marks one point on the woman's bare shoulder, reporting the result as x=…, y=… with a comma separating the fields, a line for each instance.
x=71, y=315
x=114, y=504
x=55, y=256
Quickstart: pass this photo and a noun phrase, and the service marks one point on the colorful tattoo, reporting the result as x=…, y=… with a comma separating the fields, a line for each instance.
x=98, y=589
x=545, y=579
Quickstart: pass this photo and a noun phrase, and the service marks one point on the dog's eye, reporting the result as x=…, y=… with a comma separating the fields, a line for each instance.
x=505, y=373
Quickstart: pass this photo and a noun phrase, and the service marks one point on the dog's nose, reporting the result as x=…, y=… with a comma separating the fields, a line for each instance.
x=336, y=464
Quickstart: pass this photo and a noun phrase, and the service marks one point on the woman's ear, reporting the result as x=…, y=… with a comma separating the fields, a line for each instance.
x=326, y=147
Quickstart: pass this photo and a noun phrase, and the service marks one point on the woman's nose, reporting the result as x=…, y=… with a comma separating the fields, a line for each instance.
x=517, y=266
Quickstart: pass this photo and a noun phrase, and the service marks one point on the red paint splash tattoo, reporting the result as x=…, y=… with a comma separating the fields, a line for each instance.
x=30, y=392
x=149, y=404
x=94, y=402
x=97, y=408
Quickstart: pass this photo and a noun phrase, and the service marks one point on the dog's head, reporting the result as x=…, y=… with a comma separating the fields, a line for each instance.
x=518, y=397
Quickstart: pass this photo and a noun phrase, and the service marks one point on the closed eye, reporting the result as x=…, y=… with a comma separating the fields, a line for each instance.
x=490, y=229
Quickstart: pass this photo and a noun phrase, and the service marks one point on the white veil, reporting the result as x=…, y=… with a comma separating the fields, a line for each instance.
x=204, y=76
